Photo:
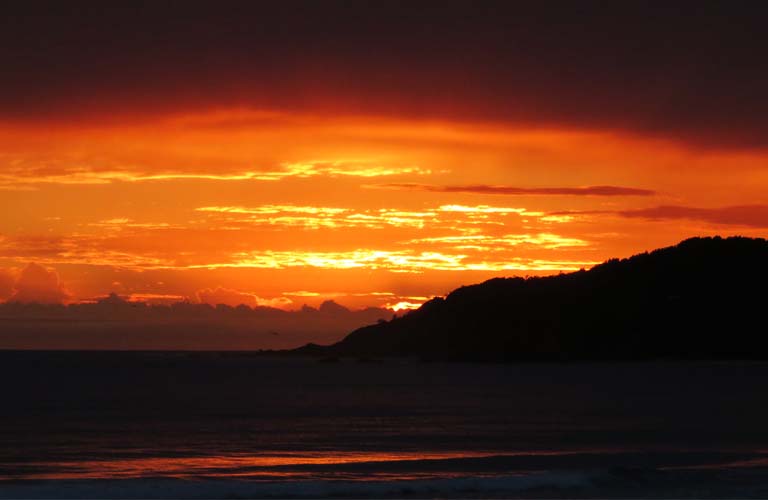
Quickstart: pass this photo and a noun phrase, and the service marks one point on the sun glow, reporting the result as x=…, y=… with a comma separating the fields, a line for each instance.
x=272, y=200
x=404, y=306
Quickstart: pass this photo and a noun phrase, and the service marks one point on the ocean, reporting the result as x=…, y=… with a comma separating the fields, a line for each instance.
x=241, y=425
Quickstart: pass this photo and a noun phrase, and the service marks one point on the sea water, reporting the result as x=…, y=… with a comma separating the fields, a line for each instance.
x=211, y=425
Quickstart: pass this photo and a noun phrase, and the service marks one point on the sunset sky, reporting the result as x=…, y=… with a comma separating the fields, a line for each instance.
x=373, y=153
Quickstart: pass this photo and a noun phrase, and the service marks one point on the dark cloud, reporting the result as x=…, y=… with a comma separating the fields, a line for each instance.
x=112, y=323
x=692, y=71
x=512, y=190
x=740, y=215
x=743, y=215
x=6, y=284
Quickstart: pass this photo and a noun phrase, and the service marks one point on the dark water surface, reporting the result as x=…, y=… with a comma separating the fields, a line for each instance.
x=96, y=424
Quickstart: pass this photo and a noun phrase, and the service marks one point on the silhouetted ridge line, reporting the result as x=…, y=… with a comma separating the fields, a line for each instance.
x=701, y=299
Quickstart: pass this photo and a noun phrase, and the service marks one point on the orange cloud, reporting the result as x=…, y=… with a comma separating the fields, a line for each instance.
x=157, y=298
x=320, y=217
x=406, y=261
x=248, y=200
x=489, y=243
x=227, y=296
x=447, y=237
x=444, y=217
x=38, y=284
x=24, y=171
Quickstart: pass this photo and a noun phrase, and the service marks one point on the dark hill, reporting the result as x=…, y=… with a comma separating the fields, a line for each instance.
x=704, y=298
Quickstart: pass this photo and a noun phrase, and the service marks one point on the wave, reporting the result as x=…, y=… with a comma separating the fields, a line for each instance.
x=155, y=488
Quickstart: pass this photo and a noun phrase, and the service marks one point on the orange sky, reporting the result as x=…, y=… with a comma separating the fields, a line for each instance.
x=373, y=153
x=290, y=207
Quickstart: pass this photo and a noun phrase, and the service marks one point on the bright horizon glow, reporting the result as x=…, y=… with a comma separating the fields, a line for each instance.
x=262, y=203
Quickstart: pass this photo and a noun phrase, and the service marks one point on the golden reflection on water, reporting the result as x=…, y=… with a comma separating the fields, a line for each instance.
x=277, y=465
x=265, y=466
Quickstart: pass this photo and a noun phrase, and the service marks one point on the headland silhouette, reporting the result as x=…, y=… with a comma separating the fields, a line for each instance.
x=701, y=299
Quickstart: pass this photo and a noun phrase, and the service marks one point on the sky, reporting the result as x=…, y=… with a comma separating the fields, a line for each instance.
x=370, y=153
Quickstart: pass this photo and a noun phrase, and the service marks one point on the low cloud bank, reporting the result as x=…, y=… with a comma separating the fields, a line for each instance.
x=114, y=323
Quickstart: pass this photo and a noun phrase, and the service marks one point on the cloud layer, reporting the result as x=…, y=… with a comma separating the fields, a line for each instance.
x=672, y=70
x=229, y=153
x=742, y=215
x=523, y=191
